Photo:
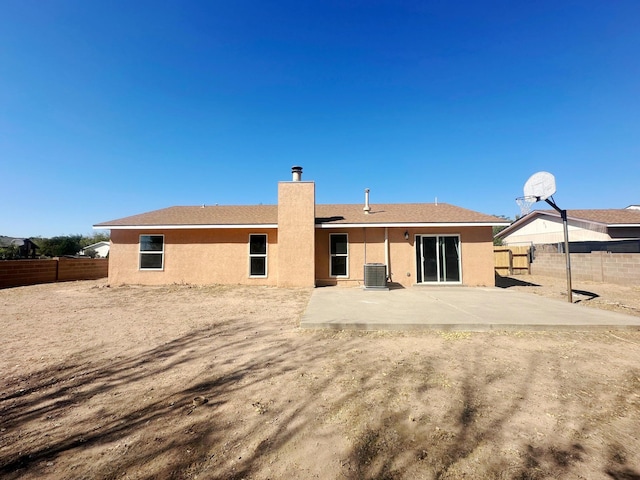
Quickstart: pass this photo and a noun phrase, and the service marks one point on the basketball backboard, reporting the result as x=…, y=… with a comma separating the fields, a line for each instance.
x=540, y=185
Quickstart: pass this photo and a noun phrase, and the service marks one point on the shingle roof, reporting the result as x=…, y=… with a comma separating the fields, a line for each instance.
x=402, y=213
x=608, y=216
x=206, y=215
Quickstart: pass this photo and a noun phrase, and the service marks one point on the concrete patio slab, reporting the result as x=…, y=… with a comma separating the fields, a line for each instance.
x=453, y=308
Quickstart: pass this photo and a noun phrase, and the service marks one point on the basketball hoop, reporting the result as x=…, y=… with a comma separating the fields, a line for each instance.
x=525, y=203
x=540, y=187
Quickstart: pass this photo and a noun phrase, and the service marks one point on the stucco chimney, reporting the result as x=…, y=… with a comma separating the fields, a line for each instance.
x=366, y=208
x=296, y=233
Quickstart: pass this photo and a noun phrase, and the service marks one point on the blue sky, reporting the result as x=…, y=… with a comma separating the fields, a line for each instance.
x=109, y=109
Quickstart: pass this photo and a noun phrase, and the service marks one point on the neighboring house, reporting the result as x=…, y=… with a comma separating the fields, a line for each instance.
x=299, y=243
x=101, y=249
x=25, y=248
x=545, y=227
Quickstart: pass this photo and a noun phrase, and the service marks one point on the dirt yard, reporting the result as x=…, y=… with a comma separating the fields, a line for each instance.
x=219, y=383
x=606, y=296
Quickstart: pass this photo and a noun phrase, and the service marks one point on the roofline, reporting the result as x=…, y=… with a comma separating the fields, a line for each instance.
x=321, y=225
x=502, y=233
x=411, y=224
x=178, y=227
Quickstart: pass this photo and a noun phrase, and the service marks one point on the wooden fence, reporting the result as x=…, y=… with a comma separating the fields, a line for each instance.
x=511, y=260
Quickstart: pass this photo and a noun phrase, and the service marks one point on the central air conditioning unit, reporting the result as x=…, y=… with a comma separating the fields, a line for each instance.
x=375, y=276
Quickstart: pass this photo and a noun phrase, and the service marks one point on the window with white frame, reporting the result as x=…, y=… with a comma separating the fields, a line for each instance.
x=257, y=255
x=339, y=252
x=151, y=252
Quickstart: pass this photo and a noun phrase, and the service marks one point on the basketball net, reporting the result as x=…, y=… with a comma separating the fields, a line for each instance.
x=525, y=203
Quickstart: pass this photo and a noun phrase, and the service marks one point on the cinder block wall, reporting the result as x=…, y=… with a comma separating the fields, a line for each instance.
x=15, y=273
x=82, y=269
x=620, y=268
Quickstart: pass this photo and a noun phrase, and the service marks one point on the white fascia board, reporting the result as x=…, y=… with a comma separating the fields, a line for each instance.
x=623, y=225
x=179, y=227
x=322, y=225
x=411, y=225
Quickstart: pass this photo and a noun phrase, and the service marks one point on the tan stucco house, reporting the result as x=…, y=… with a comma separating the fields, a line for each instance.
x=298, y=243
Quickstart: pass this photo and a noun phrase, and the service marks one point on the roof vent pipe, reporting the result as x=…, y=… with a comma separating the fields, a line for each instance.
x=297, y=173
x=366, y=208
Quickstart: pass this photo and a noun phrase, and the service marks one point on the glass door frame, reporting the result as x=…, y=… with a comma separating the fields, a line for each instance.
x=420, y=265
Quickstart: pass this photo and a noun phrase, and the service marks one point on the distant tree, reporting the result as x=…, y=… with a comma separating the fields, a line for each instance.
x=69, y=244
x=497, y=229
x=90, y=252
x=95, y=238
x=10, y=252
x=59, y=246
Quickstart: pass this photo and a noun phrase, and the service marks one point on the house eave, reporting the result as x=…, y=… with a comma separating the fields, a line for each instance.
x=512, y=226
x=411, y=224
x=182, y=227
x=321, y=225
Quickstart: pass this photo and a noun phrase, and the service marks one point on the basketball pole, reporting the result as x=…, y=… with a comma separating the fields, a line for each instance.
x=563, y=215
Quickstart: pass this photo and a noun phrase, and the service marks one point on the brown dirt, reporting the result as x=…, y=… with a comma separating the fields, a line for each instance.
x=218, y=382
x=607, y=296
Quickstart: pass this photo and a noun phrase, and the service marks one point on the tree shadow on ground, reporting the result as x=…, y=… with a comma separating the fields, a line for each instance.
x=473, y=428
x=202, y=443
x=623, y=473
x=380, y=454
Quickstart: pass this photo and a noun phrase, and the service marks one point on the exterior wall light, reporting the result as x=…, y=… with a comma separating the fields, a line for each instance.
x=406, y=235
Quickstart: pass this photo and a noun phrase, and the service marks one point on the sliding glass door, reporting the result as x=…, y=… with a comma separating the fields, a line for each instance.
x=438, y=258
